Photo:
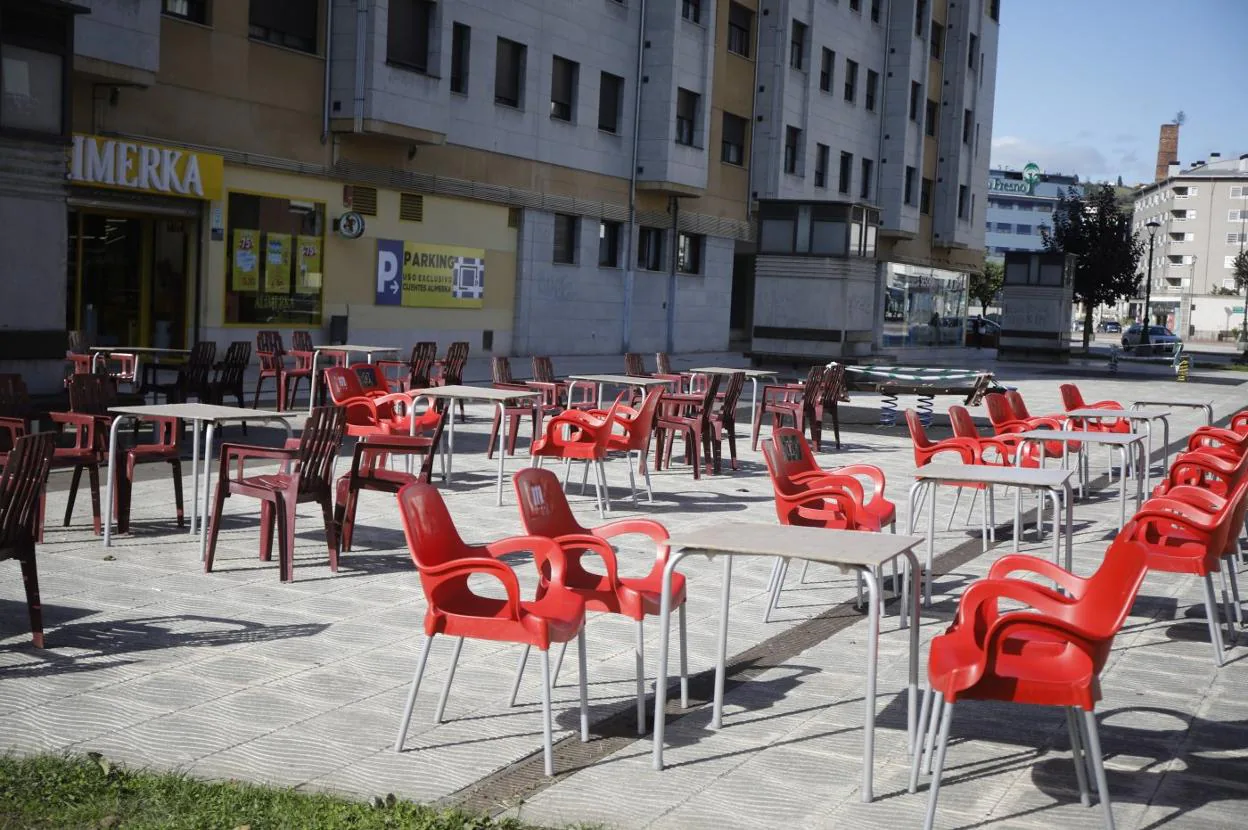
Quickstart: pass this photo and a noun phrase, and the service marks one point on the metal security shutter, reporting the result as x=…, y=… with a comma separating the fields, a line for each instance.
x=411, y=207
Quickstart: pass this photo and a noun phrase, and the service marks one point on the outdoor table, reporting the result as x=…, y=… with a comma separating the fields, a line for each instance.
x=1207, y=406
x=498, y=397
x=632, y=381
x=197, y=414
x=751, y=374
x=1120, y=440
x=1144, y=416
x=348, y=350
x=861, y=551
x=102, y=352
x=1045, y=481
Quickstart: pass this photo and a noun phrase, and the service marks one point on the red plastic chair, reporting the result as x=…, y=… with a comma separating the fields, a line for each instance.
x=446, y=564
x=305, y=476
x=545, y=512
x=1216, y=473
x=663, y=370
x=1050, y=656
x=164, y=448
x=304, y=351
x=636, y=428
x=832, y=393
x=1218, y=441
x=22, y=484
x=1005, y=422
x=88, y=421
x=968, y=451
x=372, y=410
x=998, y=449
x=796, y=402
x=574, y=435
x=500, y=370
x=1072, y=399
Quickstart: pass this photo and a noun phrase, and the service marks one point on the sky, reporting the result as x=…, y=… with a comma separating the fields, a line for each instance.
x=1083, y=86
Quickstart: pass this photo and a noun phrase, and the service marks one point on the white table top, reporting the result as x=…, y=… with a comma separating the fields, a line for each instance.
x=621, y=380
x=1173, y=403
x=1048, y=477
x=138, y=350
x=1131, y=414
x=474, y=393
x=854, y=548
x=346, y=347
x=1116, y=439
x=204, y=412
x=720, y=370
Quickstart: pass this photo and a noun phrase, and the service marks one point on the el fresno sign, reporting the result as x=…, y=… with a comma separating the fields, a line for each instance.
x=147, y=168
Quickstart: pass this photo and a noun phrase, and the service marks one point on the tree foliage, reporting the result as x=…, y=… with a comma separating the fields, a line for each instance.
x=987, y=284
x=1095, y=229
x=1239, y=268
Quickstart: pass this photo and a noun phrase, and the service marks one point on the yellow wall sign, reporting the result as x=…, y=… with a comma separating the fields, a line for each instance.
x=429, y=276
x=148, y=168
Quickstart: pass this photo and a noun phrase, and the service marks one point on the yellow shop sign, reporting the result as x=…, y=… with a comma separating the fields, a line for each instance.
x=148, y=168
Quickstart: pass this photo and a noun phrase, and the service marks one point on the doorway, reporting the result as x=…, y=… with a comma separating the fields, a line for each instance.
x=128, y=278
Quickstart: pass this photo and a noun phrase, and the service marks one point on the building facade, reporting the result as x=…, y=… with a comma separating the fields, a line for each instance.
x=1020, y=205
x=1203, y=216
x=533, y=177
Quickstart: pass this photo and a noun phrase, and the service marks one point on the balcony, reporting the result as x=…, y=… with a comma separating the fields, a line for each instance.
x=119, y=41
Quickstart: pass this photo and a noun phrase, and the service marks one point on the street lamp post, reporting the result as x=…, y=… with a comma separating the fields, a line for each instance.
x=1148, y=286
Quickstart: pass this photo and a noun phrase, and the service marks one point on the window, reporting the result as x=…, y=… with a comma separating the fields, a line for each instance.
x=689, y=253
x=933, y=113
x=937, y=42
x=610, y=102
x=1024, y=230
x=873, y=81
x=909, y=190
x=461, y=50
x=608, y=244
x=797, y=46
x=1228, y=262
x=968, y=125
x=289, y=23
x=273, y=270
x=732, y=150
x=1180, y=193
x=1004, y=227
x=565, y=239
x=972, y=51
x=650, y=249
x=847, y=172
x=855, y=5
x=827, y=67
x=408, y=29
x=691, y=10
x=563, y=78
x=792, y=142
x=1239, y=192
x=509, y=73
x=821, y=165
x=994, y=10
x=925, y=198
x=777, y=228
x=916, y=95
x=195, y=11
x=867, y=169
x=851, y=80
x=875, y=11
x=1237, y=216
x=33, y=87
x=686, y=116
x=920, y=17
x=1236, y=238
x=962, y=195
x=740, y=24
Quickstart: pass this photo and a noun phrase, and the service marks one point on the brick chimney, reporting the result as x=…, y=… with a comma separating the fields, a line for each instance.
x=1167, y=148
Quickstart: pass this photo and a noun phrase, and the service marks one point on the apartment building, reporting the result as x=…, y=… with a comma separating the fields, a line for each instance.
x=873, y=128
x=1021, y=205
x=1203, y=216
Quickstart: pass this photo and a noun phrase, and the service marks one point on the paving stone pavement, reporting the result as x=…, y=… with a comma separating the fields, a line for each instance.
x=235, y=675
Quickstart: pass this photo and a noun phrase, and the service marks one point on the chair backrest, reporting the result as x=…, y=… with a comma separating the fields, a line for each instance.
x=732, y=394
x=453, y=365
x=343, y=385
x=784, y=459
x=834, y=389
x=270, y=350
x=634, y=365
x=641, y=427
x=319, y=444
x=420, y=364
x=999, y=412
x=199, y=365
x=544, y=509
x=789, y=455
x=92, y=394
x=813, y=385
x=1071, y=397
x=77, y=342
x=918, y=435
x=237, y=356
x=1017, y=406
x=432, y=538
x=962, y=422
x=500, y=370
x=301, y=341
x=1110, y=591
x=708, y=399
x=14, y=398
x=22, y=482
x=371, y=380
x=663, y=364
x=543, y=369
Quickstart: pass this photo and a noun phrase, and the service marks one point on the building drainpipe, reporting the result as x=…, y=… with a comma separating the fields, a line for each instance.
x=673, y=203
x=749, y=171
x=630, y=260
x=361, y=41
x=329, y=51
x=881, y=268
x=199, y=273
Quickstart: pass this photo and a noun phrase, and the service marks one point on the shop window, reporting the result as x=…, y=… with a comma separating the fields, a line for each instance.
x=289, y=23
x=273, y=274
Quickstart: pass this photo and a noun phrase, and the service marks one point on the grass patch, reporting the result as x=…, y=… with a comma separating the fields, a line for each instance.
x=72, y=792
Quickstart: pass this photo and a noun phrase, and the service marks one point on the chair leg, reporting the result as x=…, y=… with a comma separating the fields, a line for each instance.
x=957, y=497
x=266, y=531
x=1215, y=628
x=411, y=695
x=515, y=684
x=684, y=658
x=214, y=524
x=1236, y=608
x=645, y=471
x=1098, y=765
x=836, y=426
x=606, y=491
x=942, y=746
x=347, y=532
x=732, y=443
x=286, y=539
x=494, y=425
x=30, y=579
x=805, y=569
x=583, y=672
x=938, y=704
x=1076, y=751
x=450, y=677
x=122, y=487
x=639, y=658
x=177, y=490
x=632, y=475
x=774, y=600
x=754, y=428
x=916, y=747
x=331, y=531
x=513, y=426
x=548, y=751
x=73, y=494
x=93, y=475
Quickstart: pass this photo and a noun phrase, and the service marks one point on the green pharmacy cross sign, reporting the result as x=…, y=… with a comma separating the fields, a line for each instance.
x=1025, y=187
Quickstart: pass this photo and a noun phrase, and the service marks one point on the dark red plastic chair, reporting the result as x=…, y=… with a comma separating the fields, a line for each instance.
x=446, y=563
x=414, y=372
x=22, y=484
x=163, y=448
x=500, y=370
x=832, y=392
x=795, y=402
x=304, y=476
x=544, y=512
x=691, y=416
x=574, y=394
x=450, y=370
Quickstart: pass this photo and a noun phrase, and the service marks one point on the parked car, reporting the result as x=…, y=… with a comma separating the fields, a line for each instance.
x=1109, y=326
x=1161, y=339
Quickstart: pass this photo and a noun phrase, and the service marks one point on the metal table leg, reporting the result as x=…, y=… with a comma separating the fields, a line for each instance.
x=502, y=436
x=108, y=479
x=316, y=353
x=721, y=658
x=912, y=604
x=203, y=529
x=195, y=474
x=660, y=689
x=931, y=543
x=873, y=650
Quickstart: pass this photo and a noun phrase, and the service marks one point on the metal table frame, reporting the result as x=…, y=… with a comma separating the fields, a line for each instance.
x=348, y=350
x=1134, y=415
x=731, y=542
x=1206, y=406
x=1115, y=440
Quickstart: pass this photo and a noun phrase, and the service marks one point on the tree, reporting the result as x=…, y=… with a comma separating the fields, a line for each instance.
x=1239, y=267
x=986, y=285
x=1107, y=251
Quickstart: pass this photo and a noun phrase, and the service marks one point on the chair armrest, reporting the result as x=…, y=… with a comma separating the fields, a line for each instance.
x=459, y=568
x=84, y=427
x=244, y=451
x=590, y=542
x=1198, y=497
x=1015, y=562
x=868, y=471
x=544, y=551
x=968, y=448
